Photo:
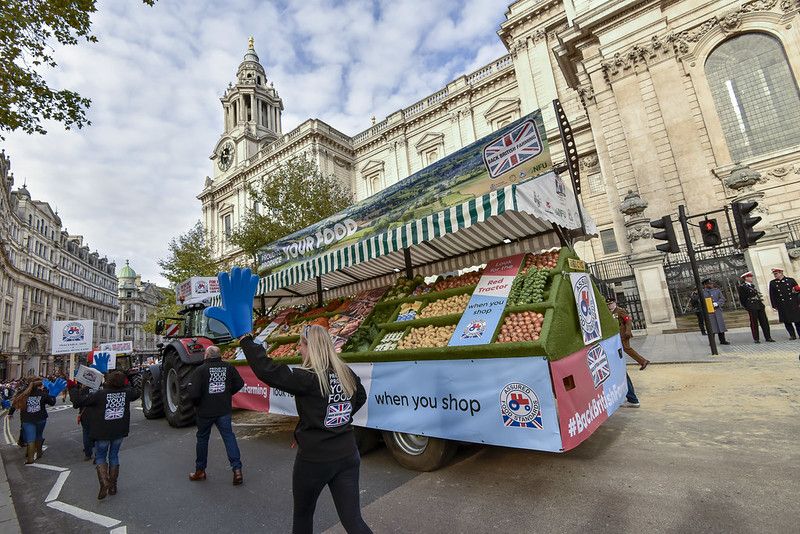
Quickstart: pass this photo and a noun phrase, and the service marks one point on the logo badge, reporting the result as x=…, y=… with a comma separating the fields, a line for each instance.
x=520, y=406
x=201, y=287
x=474, y=330
x=72, y=332
x=512, y=149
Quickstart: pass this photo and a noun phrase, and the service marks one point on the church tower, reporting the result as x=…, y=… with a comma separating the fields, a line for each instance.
x=252, y=112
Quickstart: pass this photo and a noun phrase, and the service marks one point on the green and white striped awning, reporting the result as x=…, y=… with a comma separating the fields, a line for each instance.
x=517, y=218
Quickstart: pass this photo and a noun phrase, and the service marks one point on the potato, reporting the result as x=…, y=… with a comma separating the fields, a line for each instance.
x=427, y=336
x=452, y=305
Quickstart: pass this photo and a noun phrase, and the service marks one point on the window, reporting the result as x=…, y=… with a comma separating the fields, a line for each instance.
x=371, y=183
x=505, y=121
x=755, y=94
x=609, y=241
x=431, y=156
x=596, y=183
x=227, y=223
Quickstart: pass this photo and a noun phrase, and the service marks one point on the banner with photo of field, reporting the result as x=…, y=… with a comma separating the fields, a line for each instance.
x=513, y=154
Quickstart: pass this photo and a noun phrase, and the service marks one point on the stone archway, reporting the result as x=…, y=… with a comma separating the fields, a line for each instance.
x=32, y=358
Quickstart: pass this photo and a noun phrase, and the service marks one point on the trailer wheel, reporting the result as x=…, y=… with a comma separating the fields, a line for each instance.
x=419, y=453
x=177, y=406
x=152, y=401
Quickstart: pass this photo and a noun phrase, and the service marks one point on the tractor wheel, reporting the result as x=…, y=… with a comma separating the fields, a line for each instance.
x=152, y=401
x=136, y=381
x=177, y=406
x=419, y=453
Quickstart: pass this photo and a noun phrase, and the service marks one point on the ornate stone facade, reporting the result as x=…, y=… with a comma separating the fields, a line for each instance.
x=137, y=301
x=46, y=274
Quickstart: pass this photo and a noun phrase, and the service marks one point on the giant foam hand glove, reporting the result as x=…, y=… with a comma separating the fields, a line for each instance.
x=56, y=387
x=101, y=361
x=238, y=289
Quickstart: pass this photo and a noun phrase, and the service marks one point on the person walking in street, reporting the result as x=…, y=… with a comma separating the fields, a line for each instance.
x=626, y=331
x=784, y=296
x=32, y=404
x=109, y=426
x=77, y=391
x=715, y=316
x=694, y=304
x=751, y=300
x=211, y=387
x=327, y=394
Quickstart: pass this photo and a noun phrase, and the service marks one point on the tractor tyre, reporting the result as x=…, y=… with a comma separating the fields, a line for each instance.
x=152, y=401
x=136, y=381
x=419, y=453
x=178, y=407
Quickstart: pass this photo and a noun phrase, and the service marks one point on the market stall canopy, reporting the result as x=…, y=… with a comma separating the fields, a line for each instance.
x=498, y=195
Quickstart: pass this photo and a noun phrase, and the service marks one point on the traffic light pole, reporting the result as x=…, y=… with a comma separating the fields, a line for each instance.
x=698, y=286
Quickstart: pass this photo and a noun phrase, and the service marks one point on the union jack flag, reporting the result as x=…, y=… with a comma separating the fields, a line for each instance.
x=338, y=414
x=512, y=149
x=598, y=365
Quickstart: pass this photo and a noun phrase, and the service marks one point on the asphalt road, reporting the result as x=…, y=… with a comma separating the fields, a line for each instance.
x=712, y=449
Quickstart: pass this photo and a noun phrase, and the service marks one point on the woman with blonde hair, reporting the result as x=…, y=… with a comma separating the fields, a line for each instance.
x=327, y=394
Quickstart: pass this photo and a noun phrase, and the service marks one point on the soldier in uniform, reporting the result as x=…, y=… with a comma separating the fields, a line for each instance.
x=626, y=331
x=715, y=317
x=751, y=301
x=784, y=296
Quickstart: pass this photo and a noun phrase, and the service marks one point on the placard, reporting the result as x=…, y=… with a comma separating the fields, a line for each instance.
x=89, y=376
x=196, y=288
x=485, y=308
x=120, y=347
x=585, y=301
x=71, y=336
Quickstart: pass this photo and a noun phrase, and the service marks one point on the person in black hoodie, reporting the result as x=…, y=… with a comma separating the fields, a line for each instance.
x=110, y=424
x=327, y=394
x=211, y=387
x=32, y=403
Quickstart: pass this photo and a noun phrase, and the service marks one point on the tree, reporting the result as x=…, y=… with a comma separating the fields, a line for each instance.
x=190, y=254
x=293, y=197
x=28, y=29
x=165, y=309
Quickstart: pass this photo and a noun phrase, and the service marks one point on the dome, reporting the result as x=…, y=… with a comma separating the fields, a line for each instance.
x=250, y=67
x=251, y=55
x=126, y=271
x=23, y=191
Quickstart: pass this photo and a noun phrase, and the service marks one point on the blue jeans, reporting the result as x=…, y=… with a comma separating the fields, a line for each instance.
x=631, y=395
x=223, y=423
x=108, y=449
x=88, y=442
x=33, y=431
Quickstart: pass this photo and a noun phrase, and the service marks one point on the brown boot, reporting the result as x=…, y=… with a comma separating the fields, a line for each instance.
x=200, y=474
x=113, y=474
x=30, y=453
x=237, y=477
x=102, y=477
x=39, y=448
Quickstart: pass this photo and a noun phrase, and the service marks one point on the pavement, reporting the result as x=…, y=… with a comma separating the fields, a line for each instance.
x=9, y=524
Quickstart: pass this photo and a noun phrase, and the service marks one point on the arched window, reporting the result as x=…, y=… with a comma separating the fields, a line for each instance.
x=755, y=94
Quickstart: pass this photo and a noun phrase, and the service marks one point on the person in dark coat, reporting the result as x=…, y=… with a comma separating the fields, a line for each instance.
x=110, y=424
x=784, y=296
x=77, y=391
x=715, y=316
x=32, y=404
x=694, y=304
x=211, y=387
x=327, y=393
x=751, y=300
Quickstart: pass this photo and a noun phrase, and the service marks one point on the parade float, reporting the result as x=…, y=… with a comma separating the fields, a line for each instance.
x=457, y=298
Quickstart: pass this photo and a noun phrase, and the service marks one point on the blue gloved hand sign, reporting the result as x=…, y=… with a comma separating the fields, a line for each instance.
x=56, y=387
x=238, y=289
x=101, y=361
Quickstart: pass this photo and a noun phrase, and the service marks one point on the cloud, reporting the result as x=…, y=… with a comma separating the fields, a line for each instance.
x=128, y=182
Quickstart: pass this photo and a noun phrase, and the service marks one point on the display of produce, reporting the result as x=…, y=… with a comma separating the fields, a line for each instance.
x=448, y=306
x=409, y=311
x=466, y=279
x=520, y=327
x=422, y=289
x=288, y=350
x=389, y=341
x=403, y=287
x=529, y=288
x=427, y=336
x=542, y=260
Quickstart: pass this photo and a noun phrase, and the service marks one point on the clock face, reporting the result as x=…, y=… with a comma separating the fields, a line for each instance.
x=225, y=156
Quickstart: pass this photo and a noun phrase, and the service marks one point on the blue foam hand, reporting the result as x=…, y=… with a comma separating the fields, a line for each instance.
x=56, y=387
x=238, y=289
x=101, y=362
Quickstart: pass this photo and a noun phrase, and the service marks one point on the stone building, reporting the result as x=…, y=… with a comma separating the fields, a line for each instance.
x=46, y=274
x=672, y=102
x=137, y=301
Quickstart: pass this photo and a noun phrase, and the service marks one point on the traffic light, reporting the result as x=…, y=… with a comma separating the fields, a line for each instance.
x=710, y=232
x=745, y=223
x=667, y=234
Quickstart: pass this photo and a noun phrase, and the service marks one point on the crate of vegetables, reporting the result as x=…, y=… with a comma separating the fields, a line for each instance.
x=426, y=336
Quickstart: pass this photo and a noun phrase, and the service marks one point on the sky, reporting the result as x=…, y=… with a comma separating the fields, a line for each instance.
x=128, y=183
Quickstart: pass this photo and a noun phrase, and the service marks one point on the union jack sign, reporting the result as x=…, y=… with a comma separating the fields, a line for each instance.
x=598, y=365
x=512, y=149
x=338, y=414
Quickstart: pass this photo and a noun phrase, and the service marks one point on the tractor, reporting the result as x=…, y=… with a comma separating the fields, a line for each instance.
x=164, y=391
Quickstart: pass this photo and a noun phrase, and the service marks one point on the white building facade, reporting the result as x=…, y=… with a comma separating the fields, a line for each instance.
x=681, y=102
x=137, y=302
x=46, y=274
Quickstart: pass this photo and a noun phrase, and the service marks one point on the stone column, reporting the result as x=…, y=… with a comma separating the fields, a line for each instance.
x=648, y=266
x=770, y=251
